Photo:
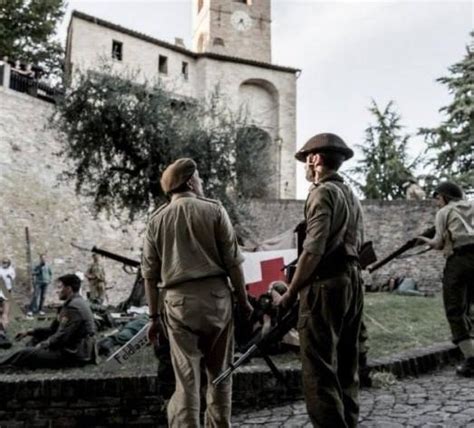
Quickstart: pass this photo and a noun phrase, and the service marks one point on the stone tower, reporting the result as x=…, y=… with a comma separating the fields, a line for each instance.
x=237, y=28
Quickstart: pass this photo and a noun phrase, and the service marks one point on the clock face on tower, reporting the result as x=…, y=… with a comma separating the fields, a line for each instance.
x=241, y=20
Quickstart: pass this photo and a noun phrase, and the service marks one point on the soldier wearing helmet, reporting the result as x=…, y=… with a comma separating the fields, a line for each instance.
x=329, y=285
x=455, y=236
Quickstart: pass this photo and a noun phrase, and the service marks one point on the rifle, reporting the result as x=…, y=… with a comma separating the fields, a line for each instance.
x=428, y=233
x=117, y=257
x=276, y=333
x=286, y=323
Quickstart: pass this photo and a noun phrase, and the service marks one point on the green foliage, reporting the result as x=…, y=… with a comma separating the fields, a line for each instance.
x=452, y=141
x=119, y=136
x=385, y=165
x=27, y=31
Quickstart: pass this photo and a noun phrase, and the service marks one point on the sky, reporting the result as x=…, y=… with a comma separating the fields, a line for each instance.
x=350, y=53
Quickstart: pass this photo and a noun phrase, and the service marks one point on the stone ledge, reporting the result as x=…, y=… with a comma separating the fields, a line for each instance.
x=255, y=386
x=134, y=400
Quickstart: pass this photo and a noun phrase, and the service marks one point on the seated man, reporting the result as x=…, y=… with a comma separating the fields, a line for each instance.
x=68, y=341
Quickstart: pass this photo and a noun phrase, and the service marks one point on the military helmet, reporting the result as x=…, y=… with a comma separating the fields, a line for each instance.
x=324, y=143
x=449, y=190
x=279, y=286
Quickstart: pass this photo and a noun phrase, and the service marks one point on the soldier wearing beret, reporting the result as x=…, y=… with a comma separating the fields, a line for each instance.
x=68, y=341
x=455, y=236
x=190, y=250
x=329, y=285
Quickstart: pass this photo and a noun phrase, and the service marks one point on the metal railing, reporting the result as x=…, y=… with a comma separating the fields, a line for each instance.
x=31, y=86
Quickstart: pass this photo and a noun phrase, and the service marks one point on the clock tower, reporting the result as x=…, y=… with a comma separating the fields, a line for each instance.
x=238, y=28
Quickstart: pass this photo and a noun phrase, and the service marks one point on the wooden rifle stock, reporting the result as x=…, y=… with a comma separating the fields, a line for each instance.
x=428, y=233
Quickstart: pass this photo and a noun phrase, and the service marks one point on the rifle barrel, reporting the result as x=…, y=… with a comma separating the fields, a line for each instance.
x=233, y=366
x=391, y=256
x=118, y=258
x=429, y=233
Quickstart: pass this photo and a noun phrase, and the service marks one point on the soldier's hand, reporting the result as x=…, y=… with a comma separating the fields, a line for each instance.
x=155, y=330
x=284, y=301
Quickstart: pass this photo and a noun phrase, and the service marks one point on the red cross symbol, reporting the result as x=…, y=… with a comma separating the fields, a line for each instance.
x=271, y=271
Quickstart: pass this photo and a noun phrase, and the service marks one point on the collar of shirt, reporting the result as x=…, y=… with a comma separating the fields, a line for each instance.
x=333, y=176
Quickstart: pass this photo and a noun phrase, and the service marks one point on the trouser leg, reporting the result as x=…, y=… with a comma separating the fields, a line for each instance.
x=199, y=325
x=457, y=288
x=35, y=358
x=348, y=352
x=35, y=298
x=184, y=405
x=43, y=288
x=323, y=306
x=218, y=357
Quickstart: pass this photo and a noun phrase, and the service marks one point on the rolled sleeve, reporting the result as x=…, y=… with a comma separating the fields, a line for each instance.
x=151, y=262
x=227, y=241
x=441, y=223
x=318, y=221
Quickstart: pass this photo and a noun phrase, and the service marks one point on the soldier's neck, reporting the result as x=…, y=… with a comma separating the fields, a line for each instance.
x=320, y=172
x=183, y=195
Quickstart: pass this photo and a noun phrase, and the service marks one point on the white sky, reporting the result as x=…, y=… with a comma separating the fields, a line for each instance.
x=349, y=53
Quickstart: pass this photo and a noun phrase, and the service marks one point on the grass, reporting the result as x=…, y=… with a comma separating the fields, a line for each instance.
x=395, y=324
x=398, y=323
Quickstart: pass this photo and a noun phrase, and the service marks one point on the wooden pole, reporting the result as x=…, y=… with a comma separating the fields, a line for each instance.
x=29, y=263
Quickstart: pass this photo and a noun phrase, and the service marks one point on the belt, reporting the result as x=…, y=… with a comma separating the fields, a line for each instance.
x=465, y=249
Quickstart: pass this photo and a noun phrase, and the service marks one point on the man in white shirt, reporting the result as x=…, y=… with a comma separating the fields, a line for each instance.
x=7, y=274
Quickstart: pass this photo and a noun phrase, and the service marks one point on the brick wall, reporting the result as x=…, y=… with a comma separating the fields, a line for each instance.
x=81, y=402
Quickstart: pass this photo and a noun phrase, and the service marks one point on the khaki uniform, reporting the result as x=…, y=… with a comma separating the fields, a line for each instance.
x=68, y=341
x=455, y=231
x=189, y=247
x=331, y=305
x=96, y=276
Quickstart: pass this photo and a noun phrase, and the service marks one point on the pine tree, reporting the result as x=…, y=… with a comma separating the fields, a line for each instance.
x=27, y=32
x=452, y=142
x=384, y=167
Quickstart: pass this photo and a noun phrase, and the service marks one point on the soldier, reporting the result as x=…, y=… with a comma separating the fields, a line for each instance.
x=190, y=249
x=455, y=236
x=96, y=276
x=68, y=341
x=329, y=284
x=413, y=191
x=42, y=275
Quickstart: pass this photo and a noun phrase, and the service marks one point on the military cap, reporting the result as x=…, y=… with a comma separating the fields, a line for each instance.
x=449, y=190
x=176, y=174
x=324, y=143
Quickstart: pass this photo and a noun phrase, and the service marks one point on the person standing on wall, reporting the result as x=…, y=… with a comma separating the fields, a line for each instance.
x=42, y=277
x=96, y=276
x=190, y=250
x=455, y=236
x=328, y=281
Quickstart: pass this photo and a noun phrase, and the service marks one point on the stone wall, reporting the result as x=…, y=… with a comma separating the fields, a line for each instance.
x=32, y=197
x=389, y=224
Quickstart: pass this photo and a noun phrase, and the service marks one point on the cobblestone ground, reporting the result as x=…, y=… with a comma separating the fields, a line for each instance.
x=435, y=400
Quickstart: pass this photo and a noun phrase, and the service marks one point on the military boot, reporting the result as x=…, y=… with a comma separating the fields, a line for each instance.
x=466, y=368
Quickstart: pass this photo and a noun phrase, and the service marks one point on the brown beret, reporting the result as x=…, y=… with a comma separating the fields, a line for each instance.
x=324, y=143
x=177, y=174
